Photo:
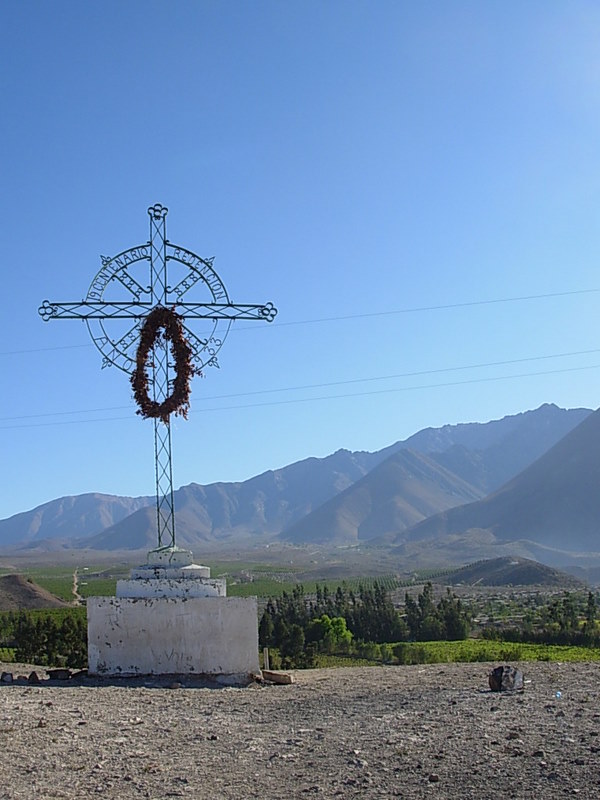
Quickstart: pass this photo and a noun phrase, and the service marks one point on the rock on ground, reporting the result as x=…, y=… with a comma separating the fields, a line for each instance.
x=433, y=731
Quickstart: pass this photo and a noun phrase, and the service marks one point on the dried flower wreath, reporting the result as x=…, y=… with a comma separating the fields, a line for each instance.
x=178, y=402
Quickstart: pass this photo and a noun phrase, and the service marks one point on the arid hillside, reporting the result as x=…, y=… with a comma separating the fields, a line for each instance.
x=18, y=593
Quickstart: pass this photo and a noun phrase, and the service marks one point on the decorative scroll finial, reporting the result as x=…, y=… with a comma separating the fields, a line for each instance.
x=47, y=310
x=268, y=312
x=157, y=211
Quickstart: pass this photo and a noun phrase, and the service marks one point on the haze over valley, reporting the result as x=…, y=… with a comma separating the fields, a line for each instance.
x=522, y=485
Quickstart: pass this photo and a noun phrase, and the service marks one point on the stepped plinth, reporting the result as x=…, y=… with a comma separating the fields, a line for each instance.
x=171, y=572
x=170, y=617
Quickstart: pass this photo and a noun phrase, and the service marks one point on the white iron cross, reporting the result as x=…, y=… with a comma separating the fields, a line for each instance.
x=136, y=294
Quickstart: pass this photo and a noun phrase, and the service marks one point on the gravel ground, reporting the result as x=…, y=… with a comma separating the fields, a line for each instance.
x=431, y=731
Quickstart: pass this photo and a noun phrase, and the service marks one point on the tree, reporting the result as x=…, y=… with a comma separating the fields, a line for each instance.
x=72, y=642
x=265, y=630
x=427, y=621
x=455, y=619
x=318, y=631
x=341, y=636
x=292, y=647
x=280, y=631
x=25, y=638
x=330, y=634
x=413, y=616
x=590, y=612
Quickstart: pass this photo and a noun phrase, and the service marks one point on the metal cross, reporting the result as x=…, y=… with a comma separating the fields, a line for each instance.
x=136, y=293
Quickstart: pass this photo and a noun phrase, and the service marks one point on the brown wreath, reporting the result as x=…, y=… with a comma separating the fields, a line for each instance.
x=178, y=402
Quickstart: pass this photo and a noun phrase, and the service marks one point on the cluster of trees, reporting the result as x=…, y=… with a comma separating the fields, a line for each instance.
x=428, y=622
x=563, y=621
x=348, y=621
x=48, y=639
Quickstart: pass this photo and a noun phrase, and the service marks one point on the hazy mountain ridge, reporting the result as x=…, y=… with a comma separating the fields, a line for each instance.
x=389, y=500
x=489, y=454
x=276, y=501
x=554, y=502
x=67, y=517
x=395, y=495
x=263, y=504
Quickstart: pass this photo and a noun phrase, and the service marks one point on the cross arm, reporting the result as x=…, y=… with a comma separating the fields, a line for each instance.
x=93, y=310
x=136, y=310
x=265, y=311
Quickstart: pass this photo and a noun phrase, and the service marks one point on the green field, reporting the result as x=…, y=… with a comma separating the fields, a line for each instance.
x=244, y=578
x=271, y=586
x=97, y=587
x=467, y=651
x=483, y=650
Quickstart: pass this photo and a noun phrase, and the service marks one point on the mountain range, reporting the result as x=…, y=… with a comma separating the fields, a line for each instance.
x=457, y=485
x=554, y=502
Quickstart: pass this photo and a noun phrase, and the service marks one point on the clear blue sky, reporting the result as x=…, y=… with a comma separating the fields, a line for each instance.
x=350, y=161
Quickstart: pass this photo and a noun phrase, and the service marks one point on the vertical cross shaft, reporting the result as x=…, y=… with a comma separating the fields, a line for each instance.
x=165, y=508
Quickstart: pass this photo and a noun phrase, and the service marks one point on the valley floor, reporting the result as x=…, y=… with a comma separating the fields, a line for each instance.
x=390, y=732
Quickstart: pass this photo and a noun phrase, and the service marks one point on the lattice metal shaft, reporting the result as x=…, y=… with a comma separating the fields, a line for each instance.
x=165, y=504
x=158, y=254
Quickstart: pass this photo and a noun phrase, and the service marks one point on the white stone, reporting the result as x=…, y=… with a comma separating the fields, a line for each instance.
x=172, y=635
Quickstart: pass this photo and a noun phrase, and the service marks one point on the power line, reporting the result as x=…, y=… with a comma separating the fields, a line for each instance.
x=325, y=385
x=325, y=397
x=405, y=388
x=439, y=307
x=415, y=310
x=406, y=374
x=350, y=381
x=43, y=349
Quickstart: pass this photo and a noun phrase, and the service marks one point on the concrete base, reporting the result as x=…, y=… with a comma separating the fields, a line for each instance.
x=171, y=572
x=170, y=617
x=163, y=636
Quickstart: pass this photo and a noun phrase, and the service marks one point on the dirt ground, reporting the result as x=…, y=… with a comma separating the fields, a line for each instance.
x=433, y=731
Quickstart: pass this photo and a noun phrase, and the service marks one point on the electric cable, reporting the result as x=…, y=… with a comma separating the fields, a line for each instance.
x=325, y=385
x=324, y=397
x=415, y=310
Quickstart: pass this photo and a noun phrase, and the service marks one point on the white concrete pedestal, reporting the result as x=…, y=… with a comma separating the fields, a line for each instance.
x=170, y=617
